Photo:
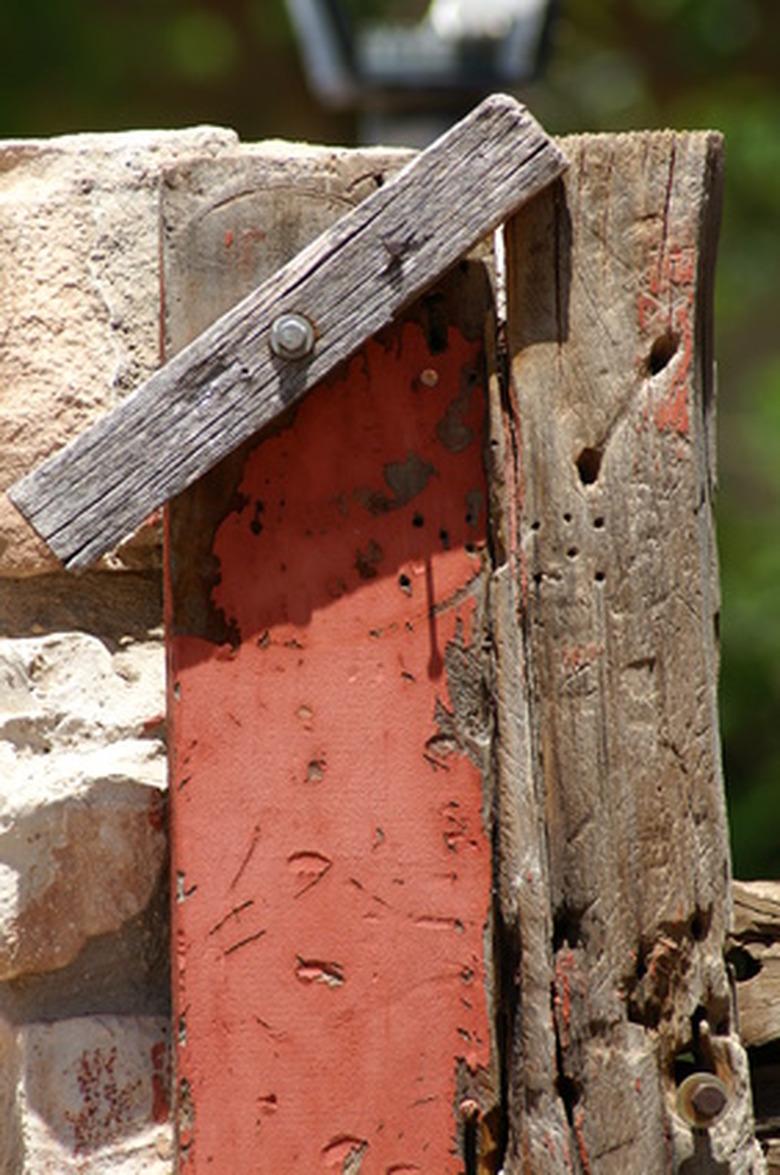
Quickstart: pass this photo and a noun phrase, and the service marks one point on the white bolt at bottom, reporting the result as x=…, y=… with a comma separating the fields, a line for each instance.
x=292, y=336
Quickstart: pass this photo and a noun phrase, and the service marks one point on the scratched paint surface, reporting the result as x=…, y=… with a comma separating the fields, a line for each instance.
x=330, y=853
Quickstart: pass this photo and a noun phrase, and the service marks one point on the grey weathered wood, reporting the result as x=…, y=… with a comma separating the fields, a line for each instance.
x=756, y=958
x=614, y=862
x=350, y=282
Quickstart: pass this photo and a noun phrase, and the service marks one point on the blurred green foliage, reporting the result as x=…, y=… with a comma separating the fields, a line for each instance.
x=74, y=65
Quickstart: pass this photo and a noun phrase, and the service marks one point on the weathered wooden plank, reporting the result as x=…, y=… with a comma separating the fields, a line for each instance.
x=615, y=867
x=350, y=283
x=755, y=955
x=329, y=733
x=754, y=958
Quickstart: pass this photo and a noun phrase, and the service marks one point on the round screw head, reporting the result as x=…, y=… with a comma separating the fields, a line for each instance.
x=292, y=336
x=701, y=1099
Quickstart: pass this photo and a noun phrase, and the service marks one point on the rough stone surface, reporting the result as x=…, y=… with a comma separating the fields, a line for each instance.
x=88, y=1095
x=82, y=765
x=79, y=299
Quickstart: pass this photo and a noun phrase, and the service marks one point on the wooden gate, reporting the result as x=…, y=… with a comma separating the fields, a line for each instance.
x=449, y=847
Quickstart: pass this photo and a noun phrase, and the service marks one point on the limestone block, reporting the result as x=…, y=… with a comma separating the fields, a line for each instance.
x=79, y=299
x=88, y=1095
x=82, y=774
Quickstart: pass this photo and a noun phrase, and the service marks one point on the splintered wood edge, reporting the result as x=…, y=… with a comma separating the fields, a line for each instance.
x=227, y=385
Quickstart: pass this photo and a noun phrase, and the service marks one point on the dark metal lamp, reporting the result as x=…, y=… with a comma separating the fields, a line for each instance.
x=454, y=53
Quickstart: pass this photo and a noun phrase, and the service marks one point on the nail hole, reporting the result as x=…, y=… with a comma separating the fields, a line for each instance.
x=538, y=578
x=700, y=924
x=588, y=465
x=418, y=520
x=444, y=536
x=662, y=351
x=572, y=553
x=535, y=525
x=470, y=549
x=405, y=584
x=744, y=965
x=567, y=517
x=599, y=577
x=598, y=523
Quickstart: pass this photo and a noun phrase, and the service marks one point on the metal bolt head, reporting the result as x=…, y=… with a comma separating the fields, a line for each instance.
x=701, y=1099
x=292, y=336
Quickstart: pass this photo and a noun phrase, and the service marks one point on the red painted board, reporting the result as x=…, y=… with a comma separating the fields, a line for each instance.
x=330, y=844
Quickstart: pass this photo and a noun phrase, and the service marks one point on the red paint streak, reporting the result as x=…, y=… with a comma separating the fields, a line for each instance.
x=369, y=874
x=574, y=657
x=564, y=968
x=579, y=1134
x=161, y=1078
x=667, y=305
x=229, y=238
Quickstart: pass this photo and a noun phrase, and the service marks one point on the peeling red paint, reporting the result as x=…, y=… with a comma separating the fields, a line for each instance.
x=574, y=657
x=337, y=820
x=667, y=305
x=579, y=1134
x=564, y=969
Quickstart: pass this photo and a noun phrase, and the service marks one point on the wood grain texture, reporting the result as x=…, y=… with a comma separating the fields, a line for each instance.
x=614, y=859
x=227, y=384
x=754, y=959
x=755, y=955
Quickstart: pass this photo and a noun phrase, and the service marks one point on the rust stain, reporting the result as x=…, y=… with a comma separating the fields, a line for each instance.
x=161, y=1082
x=108, y=1108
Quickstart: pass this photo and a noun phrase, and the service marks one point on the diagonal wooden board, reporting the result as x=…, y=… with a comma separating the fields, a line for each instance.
x=350, y=283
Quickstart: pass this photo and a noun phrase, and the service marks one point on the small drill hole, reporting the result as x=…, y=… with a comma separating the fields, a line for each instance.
x=470, y=549
x=444, y=537
x=588, y=465
x=535, y=525
x=662, y=351
x=418, y=520
x=598, y=523
x=405, y=583
x=572, y=553
x=538, y=578
x=599, y=577
x=567, y=517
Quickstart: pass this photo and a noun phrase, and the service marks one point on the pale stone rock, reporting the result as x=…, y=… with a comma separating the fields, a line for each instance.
x=82, y=771
x=79, y=300
x=88, y=1095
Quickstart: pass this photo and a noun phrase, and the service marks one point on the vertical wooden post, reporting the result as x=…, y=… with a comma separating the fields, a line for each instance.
x=448, y=825
x=330, y=731
x=615, y=875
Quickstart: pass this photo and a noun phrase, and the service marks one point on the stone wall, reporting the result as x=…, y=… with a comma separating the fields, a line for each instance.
x=84, y=973
x=84, y=1063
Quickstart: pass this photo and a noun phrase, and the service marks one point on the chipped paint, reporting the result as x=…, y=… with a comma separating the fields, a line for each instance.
x=332, y=834
x=665, y=305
